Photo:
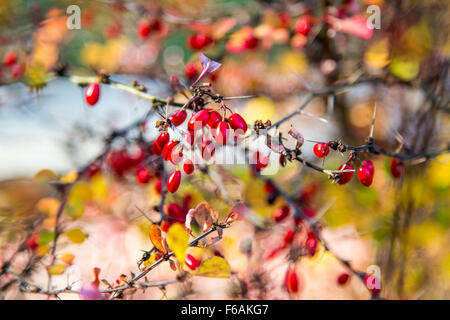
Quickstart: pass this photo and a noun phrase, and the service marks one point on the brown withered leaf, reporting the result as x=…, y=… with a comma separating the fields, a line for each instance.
x=205, y=215
x=297, y=136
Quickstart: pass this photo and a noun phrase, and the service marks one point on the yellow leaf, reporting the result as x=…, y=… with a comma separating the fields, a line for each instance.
x=57, y=269
x=76, y=236
x=44, y=175
x=99, y=187
x=177, y=239
x=36, y=76
x=80, y=192
x=214, y=267
x=150, y=260
x=155, y=237
x=67, y=258
x=291, y=61
x=377, y=56
x=42, y=250
x=261, y=108
x=69, y=177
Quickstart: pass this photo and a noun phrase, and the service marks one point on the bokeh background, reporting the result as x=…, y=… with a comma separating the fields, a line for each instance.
x=48, y=130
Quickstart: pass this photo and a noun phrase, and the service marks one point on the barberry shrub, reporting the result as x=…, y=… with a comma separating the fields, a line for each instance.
x=277, y=148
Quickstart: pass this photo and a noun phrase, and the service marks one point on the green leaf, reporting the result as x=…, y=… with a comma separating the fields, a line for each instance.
x=405, y=67
x=45, y=238
x=177, y=239
x=75, y=209
x=76, y=235
x=214, y=267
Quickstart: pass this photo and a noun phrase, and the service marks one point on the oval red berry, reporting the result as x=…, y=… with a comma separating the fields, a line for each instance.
x=92, y=94
x=173, y=181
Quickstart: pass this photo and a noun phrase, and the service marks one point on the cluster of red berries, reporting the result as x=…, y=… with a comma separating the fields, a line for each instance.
x=365, y=171
x=172, y=150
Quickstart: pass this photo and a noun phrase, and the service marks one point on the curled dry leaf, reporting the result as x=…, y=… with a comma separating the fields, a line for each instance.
x=155, y=237
x=297, y=136
x=204, y=215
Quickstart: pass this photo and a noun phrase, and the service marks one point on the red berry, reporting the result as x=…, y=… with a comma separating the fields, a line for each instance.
x=176, y=155
x=311, y=244
x=221, y=133
x=369, y=164
x=188, y=167
x=175, y=211
x=178, y=117
x=201, y=117
x=214, y=119
x=190, y=71
x=345, y=177
x=31, y=242
x=261, y=162
x=160, y=142
x=208, y=149
x=237, y=122
x=168, y=149
x=190, y=138
x=321, y=150
x=10, y=58
x=144, y=29
x=112, y=30
x=269, y=188
x=199, y=41
x=397, y=167
x=92, y=170
x=156, y=25
x=143, y=176
x=92, y=93
x=281, y=213
x=158, y=186
x=173, y=182
x=365, y=173
x=251, y=42
x=16, y=70
x=165, y=226
x=291, y=280
x=117, y=162
x=303, y=25
x=373, y=284
x=343, y=278
x=191, y=262
x=289, y=237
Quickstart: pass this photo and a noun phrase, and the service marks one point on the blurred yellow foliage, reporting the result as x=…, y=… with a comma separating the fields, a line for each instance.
x=107, y=56
x=377, y=55
x=260, y=108
x=49, y=206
